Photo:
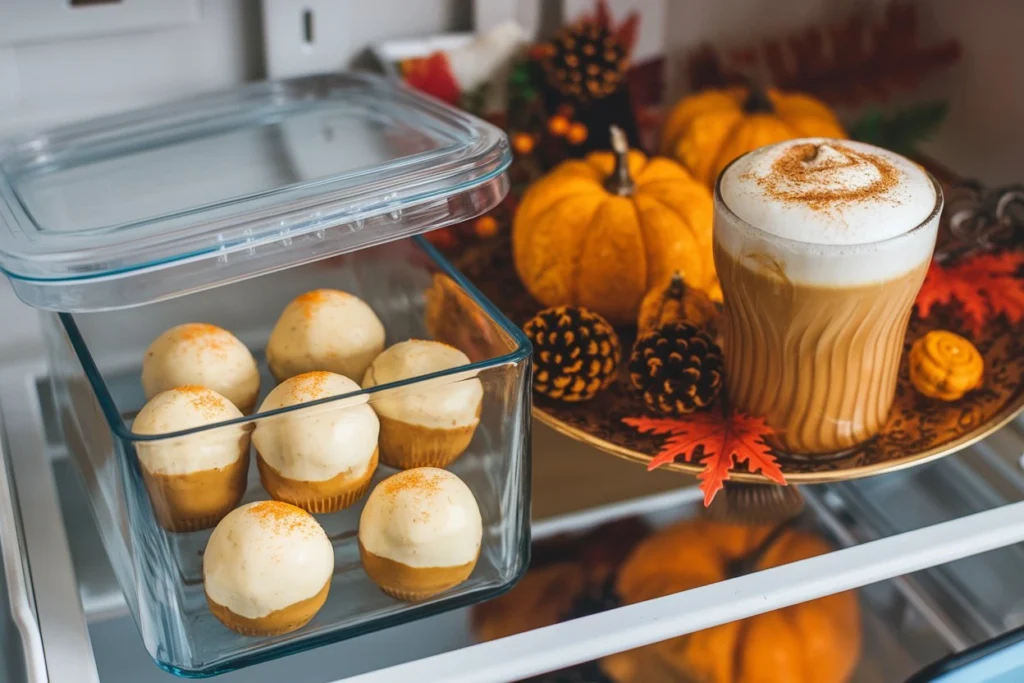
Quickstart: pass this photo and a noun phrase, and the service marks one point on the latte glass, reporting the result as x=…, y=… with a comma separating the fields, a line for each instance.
x=814, y=333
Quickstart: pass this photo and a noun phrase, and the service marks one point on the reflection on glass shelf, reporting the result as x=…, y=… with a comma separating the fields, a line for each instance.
x=873, y=634
x=983, y=594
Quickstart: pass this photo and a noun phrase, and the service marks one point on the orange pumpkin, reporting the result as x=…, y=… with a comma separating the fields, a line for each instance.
x=600, y=232
x=706, y=131
x=540, y=599
x=813, y=642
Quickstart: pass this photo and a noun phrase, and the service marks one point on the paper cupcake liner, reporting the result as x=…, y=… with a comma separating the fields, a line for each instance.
x=323, y=506
x=412, y=584
x=405, y=446
x=316, y=497
x=187, y=526
x=298, y=615
x=410, y=596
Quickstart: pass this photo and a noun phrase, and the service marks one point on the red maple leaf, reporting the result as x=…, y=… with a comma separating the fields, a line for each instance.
x=723, y=441
x=985, y=286
x=1005, y=289
x=433, y=75
x=626, y=32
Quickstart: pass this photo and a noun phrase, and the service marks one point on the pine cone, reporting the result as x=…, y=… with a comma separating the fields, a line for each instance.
x=585, y=62
x=575, y=351
x=678, y=368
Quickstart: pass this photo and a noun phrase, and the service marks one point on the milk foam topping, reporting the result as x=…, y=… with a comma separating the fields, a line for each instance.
x=839, y=202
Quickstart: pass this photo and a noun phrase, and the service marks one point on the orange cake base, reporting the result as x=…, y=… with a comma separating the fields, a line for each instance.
x=280, y=621
x=411, y=584
x=404, y=445
x=197, y=500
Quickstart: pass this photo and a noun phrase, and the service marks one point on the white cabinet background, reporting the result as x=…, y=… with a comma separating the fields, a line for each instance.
x=216, y=43
x=131, y=53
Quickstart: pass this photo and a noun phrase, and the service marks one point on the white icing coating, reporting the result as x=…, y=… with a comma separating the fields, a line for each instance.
x=266, y=556
x=325, y=329
x=452, y=401
x=840, y=213
x=423, y=517
x=186, y=408
x=202, y=354
x=323, y=441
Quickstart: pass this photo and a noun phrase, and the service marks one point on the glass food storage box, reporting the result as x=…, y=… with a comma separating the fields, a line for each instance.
x=221, y=210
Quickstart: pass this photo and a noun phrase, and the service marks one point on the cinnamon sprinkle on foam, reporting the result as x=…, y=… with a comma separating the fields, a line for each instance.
x=798, y=176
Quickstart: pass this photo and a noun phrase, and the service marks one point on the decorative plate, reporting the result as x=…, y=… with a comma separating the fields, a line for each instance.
x=955, y=298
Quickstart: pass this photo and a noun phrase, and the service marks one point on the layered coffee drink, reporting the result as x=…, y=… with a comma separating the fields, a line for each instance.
x=821, y=247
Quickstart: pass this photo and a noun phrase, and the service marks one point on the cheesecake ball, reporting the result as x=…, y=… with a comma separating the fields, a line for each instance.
x=196, y=479
x=267, y=569
x=204, y=355
x=325, y=329
x=420, y=533
x=429, y=423
x=321, y=458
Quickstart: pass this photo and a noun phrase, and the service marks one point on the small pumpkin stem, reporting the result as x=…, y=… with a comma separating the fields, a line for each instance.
x=757, y=101
x=745, y=564
x=676, y=286
x=620, y=182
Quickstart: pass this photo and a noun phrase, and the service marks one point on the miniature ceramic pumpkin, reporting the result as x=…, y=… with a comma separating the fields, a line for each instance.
x=673, y=302
x=601, y=231
x=945, y=366
x=706, y=131
x=812, y=642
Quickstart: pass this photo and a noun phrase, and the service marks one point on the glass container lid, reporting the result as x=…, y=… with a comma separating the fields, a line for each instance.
x=161, y=202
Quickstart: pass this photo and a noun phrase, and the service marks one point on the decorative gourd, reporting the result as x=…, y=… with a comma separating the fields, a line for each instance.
x=945, y=366
x=706, y=131
x=812, y=642
x=601, y=231
x=673, y=302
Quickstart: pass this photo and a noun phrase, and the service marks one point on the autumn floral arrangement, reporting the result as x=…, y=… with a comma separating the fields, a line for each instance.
x=620, y=298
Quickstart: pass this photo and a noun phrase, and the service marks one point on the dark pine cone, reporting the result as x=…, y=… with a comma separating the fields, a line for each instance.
x=585, y=62
x=678, y=368
x=575, y=351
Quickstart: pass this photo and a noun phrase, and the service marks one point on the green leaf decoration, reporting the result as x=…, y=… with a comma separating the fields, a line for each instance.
x=902, y=130
x=473, y=101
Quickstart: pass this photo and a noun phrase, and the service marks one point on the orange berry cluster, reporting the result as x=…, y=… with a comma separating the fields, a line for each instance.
x=485, y=226
x=574, y=132
x=523, y=143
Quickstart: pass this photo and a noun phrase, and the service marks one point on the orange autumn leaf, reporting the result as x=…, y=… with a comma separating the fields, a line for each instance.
x=985, y=286
x=723, y=441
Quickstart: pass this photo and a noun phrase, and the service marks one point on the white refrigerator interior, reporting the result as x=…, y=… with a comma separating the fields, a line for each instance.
x=934, y=552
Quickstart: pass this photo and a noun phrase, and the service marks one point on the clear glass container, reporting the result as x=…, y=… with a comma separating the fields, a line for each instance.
x=177, y=198
x=221, y=209
x=96, y=359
